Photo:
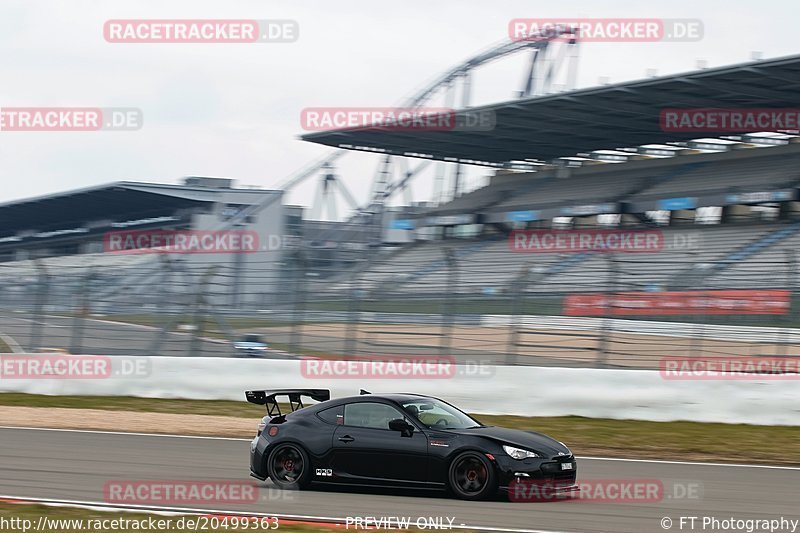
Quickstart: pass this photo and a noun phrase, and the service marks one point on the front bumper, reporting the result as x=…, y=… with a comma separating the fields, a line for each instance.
x=543, y=471
x=250, y=352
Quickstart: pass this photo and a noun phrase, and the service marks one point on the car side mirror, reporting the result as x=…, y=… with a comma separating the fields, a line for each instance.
x=398, y=424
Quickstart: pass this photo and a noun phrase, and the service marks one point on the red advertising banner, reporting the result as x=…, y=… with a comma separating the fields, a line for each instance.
x=714, y=302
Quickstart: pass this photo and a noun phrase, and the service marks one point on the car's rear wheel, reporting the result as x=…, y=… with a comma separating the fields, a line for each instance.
x=472, y=477
x=288, y=466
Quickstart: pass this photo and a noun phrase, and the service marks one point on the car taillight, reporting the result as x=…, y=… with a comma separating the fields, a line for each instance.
x=273, y=431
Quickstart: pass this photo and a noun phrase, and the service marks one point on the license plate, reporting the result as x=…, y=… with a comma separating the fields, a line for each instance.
x=566, y=466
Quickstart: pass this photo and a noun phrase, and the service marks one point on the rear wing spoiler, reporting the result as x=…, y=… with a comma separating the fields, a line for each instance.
x=267, y=398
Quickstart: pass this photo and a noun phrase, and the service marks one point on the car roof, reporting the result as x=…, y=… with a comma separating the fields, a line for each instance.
x=394, y=397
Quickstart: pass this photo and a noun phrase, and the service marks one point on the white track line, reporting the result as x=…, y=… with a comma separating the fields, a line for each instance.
x=192, y=510
x=12, y=344
x=236, y=439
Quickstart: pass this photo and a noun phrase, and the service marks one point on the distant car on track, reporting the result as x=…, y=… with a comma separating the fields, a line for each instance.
x=250, y=345
x=398, y=440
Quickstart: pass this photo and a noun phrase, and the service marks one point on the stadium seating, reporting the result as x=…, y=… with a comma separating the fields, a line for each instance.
x=734, y=255
x=729, y=177
x=634, y=182
x=488, y=267
x=572, y=191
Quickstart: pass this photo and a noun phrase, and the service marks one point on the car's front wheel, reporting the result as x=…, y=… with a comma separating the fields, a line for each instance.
x=288, y=466
x=472, y=477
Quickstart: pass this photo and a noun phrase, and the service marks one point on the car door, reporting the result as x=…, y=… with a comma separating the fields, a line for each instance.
x=365, y=449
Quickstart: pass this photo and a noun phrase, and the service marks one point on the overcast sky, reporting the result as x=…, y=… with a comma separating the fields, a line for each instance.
x=233, y=110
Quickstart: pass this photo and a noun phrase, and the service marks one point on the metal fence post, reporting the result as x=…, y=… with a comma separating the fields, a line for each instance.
x=79, y=315
x=353, y=316
x=448, y=304
x=298, y=311
x=696, y=341
x=357, y=292
x=610, y=304
x=791, y=277
x=201, y=301
x=42, y=289
x=518, y=287
x=167, y=292
x=167, y=317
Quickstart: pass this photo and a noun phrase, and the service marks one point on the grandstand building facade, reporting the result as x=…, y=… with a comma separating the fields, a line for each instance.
x=71, y=230
x=75, y=222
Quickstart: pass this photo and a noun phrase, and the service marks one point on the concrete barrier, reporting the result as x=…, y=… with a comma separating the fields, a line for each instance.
x=520, y=390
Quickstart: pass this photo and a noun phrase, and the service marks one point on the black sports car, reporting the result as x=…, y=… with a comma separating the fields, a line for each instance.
x=405, y=440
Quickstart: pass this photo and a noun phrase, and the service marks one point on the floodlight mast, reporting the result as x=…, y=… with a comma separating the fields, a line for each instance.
x=540, y=74
x=384, y=186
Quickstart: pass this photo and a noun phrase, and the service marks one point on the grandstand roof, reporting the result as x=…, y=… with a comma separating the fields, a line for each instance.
x=115, y=201
x=612, y=116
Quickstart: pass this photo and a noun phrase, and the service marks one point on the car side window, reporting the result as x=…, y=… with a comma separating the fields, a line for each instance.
x=429, y=415
x=332, y=415
x=370, y=415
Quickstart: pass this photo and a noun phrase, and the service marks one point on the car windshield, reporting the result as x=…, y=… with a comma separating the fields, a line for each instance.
x=437, y=414
x=251, y=338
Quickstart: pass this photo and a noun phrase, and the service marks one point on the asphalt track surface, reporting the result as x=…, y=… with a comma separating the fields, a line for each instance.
x=75, y=466
x=106, y=337
x=556, y=342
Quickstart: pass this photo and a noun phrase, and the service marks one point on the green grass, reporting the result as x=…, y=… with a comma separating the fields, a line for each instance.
x=665, y=440
x=586, y=436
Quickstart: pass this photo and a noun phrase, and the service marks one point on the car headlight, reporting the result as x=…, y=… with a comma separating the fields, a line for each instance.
x=519, y=453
